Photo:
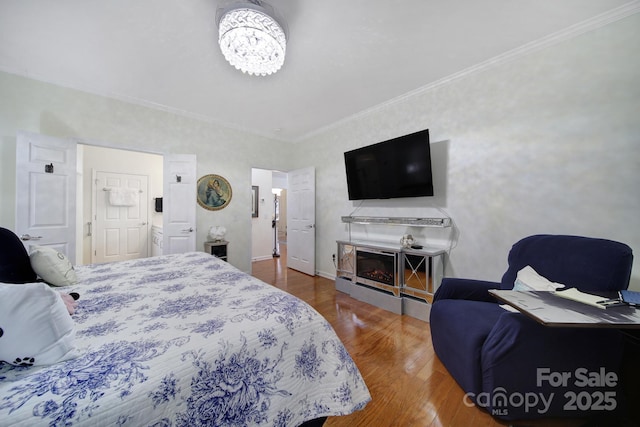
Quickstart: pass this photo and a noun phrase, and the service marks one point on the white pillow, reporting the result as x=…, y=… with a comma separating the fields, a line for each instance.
x=35, y=326
x=529, y=280
x=52, y=266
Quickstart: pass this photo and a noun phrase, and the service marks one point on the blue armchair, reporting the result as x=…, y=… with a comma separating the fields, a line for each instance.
x=508, y=363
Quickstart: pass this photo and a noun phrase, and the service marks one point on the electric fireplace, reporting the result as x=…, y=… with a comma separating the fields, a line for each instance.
x=378, y=269
x=400, y=280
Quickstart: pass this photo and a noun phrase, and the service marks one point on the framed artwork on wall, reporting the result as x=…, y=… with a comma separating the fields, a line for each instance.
x=214, y=192
x=254, y=200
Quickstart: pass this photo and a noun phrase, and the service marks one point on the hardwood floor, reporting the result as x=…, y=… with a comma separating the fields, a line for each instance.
x=409, y=385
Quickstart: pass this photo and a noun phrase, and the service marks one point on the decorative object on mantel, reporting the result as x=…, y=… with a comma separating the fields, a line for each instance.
x=407, y=241
x=217, y=233
x=250, y=36
x=214, y=192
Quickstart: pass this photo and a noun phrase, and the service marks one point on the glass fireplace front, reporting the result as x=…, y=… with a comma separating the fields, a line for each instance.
x=378, y=269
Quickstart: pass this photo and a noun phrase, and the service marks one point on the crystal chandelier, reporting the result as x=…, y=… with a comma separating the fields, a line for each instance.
x=250, y=37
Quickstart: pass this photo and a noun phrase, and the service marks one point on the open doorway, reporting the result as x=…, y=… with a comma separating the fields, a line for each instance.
x=269, y=214
x=299, y=220
x=279, y=190
x=107, y=231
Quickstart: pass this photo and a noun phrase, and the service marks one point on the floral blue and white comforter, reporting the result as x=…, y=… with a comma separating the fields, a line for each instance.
x=186, y=340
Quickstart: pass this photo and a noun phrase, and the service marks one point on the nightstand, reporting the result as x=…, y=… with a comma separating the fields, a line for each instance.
x=217, y=249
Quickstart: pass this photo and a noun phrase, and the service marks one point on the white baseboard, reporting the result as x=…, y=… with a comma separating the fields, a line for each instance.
x=326, y=275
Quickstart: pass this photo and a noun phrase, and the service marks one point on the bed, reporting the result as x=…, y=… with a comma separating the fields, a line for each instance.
x=185, y=340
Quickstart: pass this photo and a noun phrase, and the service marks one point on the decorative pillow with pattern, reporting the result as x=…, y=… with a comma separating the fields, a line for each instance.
x=52, y=266
x=35, y=326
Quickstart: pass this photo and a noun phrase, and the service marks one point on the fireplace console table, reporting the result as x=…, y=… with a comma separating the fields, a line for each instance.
x=389, y=276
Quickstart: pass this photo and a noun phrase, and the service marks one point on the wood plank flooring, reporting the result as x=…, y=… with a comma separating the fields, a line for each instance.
x=409, y=385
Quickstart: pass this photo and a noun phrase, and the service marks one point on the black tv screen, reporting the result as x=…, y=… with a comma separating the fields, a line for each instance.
x=399, y=167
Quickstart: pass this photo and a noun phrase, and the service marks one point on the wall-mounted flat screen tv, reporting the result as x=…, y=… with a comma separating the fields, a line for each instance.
x=399, y=167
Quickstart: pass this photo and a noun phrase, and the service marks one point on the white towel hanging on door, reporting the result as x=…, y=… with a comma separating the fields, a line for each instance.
x=123, y=196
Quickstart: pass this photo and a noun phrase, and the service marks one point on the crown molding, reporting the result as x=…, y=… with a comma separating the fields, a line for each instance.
x=568, y=33
x=137, y=102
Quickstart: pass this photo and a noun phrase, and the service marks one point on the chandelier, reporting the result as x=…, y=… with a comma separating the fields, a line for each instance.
x=250, y=37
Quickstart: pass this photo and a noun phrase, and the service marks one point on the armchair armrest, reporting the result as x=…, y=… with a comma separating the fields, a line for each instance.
x=467, y=289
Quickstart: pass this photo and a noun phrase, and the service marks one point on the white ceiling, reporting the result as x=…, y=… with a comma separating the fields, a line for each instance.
x=343, y=57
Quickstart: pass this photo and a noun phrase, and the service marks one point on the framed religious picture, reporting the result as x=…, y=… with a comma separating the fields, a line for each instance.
x=254, y=200
x=214, y=192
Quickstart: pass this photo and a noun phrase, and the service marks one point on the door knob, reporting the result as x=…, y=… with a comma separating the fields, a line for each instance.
x=188, y=230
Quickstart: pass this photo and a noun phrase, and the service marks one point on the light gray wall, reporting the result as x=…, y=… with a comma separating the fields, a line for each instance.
x=34, y=106
x=548, y=142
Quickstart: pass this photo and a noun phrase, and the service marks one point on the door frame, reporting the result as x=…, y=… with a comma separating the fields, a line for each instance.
x=266, y=204
x=82, y=226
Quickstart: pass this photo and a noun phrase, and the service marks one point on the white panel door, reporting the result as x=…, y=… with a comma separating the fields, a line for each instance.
x=121, y=232
x=179, y=203
x=301, y=221
x=46, y=192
